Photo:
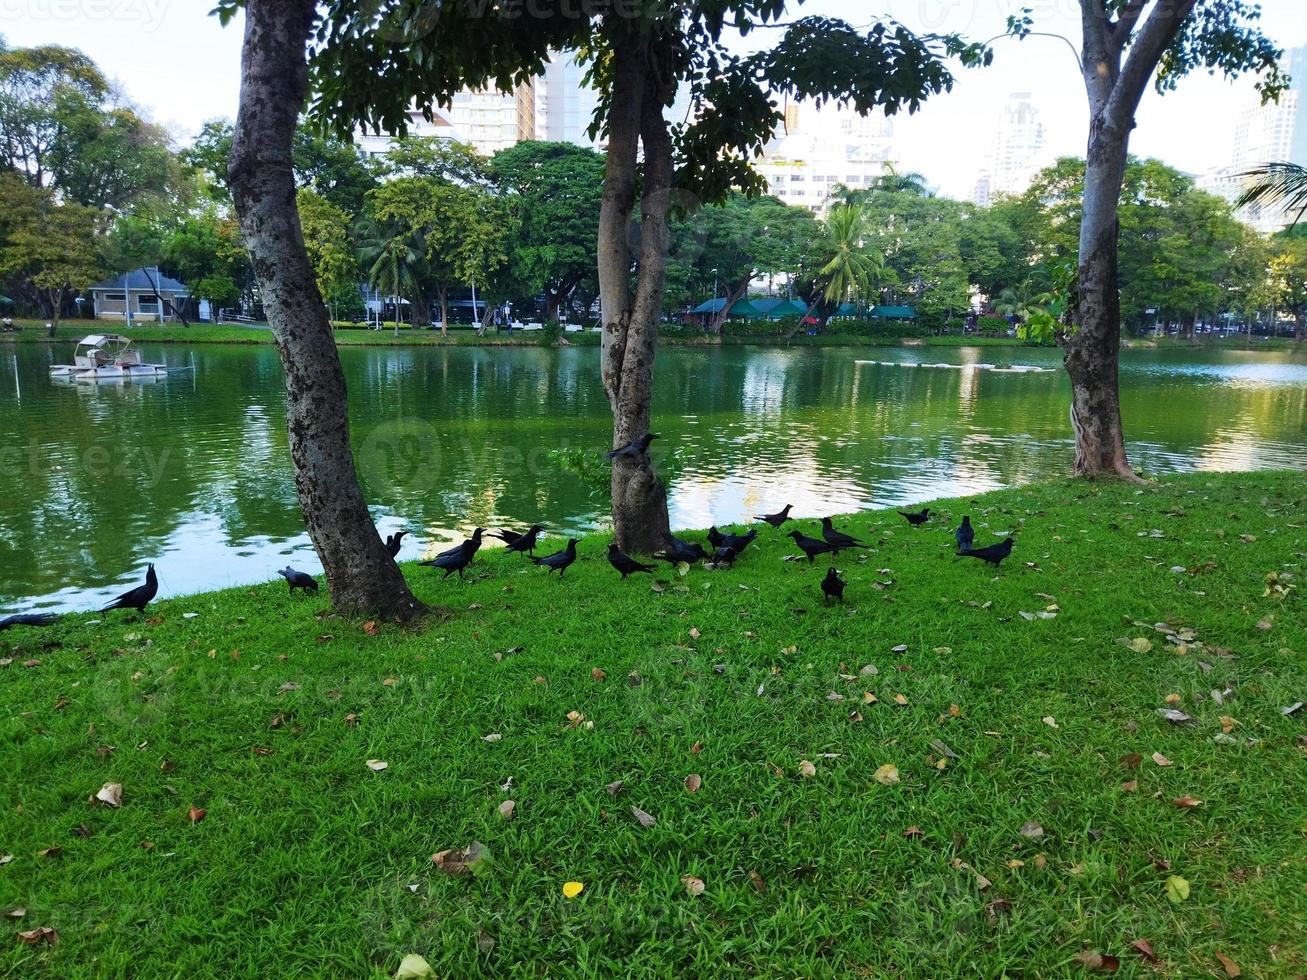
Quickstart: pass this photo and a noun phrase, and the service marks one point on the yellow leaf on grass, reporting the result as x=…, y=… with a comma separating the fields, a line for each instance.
x=1177, y=889
x=572, y=888
x=886, y=775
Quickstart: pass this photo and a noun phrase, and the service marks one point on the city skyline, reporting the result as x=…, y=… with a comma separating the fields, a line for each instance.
x=949, y=141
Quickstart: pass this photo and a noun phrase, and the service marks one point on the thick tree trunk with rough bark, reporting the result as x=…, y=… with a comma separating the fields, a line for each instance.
x=1114, y=90
x=630, y=332
x=362, y=578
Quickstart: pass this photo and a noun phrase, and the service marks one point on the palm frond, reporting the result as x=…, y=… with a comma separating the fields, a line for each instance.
x=1277, y=183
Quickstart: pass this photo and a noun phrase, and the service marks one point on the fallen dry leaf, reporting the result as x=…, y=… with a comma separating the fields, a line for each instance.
x=1186, y=802
x=1049, y=720
x=1130, y=786
x=414, y=967
x=572, y=888
x=807, y=769
x=195, y=814
x=492, y=737
x=1230, y=966
x=756, y=881
x=1160, y=759
x=693, y=885
x=1145, y=950
x=110, y=794
x=17, y=912
x=39, y=935
x=1098, y=962
x=899, y=699
x=886, y=775
x=1140, y=644
x=693, y=782
x=597, y=674
x=371, y=628
x=1031, y=830
x=914, y=832
x=645, y=819
x=507, y=809
x=462, y=860
x=377, y=765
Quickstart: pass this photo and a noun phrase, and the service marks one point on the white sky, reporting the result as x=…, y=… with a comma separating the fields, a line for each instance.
x=174, y=60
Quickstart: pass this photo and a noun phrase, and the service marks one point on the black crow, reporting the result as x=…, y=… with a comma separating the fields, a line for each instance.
x=811, y=546
x=559, y=559
x=456, y=559
x=299, y=580
x=678, y=551
x=524, y=543
x=634, y=448
x=715, y=537
x=994, y=553
x=965, y=535
x=28, y=619
x=737, y=542
x=918, y=518
x=139, y=597
x=392, y=543
x=468, y=547
x=778, y=518
x=724, y=557
x=625, y=563
x=838, y=539
x=832, y=586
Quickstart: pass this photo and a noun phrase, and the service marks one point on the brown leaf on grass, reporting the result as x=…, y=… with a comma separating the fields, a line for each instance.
x=390, y=682
x=261, y=750
x=352, y=720
x=693, y=885
x=1131, y=760
x=371, y=628
x=806, y=769
x=110, y=794
x=887, y=775
x=459, y=861
x=756, y=881
x=614, y=787
x=597, y=674
x=1130, y=786
x=694, y=633
x=1098, y=962
x=195, y=814
x=167, y=765
x=1186, y=802
x=50, y=852
x=39, y=935
x=508, y=809
x=693, y=782
x=1142, y=947
x=914, y=833
x=1230, y=966
x=899, y=699
x=696, y=748
x=1265, y=623
x=646, y=820
x=1160, y=759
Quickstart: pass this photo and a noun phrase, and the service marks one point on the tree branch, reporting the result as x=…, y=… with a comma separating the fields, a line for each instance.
x=1160, y=29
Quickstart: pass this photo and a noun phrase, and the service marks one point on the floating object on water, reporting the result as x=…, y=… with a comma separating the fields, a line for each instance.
x=109, y=357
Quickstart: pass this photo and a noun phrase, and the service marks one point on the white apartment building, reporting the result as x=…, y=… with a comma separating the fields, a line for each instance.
x=1015, y=153
x=820, y=149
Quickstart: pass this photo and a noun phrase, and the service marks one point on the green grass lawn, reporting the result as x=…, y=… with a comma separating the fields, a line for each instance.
x=1022, y=698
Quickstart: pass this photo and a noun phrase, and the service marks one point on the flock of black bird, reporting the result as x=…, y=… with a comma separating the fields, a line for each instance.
x=726, y=549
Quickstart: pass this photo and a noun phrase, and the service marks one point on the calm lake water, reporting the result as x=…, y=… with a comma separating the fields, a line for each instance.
x=193, y=472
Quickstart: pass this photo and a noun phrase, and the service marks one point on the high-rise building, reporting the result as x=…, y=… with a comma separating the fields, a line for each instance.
x=1015, y=152
x=1272, y=133
x=818, y=149
x=566, y=103
x=489, y=120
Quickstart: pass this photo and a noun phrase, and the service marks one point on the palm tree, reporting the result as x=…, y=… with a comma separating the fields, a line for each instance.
x=393, y=261
x=1020, y=300
x=1277, y=183
x=847, y=268
x=908, y=182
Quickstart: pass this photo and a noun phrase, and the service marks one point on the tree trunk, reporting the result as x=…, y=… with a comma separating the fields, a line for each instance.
x=639, y=500
x=362, y=578
x=1300, y=324
x=56, y=308
x=443, y=295
x=1093, y=351
x=552, y=299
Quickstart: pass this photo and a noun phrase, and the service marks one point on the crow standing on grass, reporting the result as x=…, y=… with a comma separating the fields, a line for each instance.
x=965, y=535
x=27, y=619
x=811, y=546
x=917, y=519
x=139, y=597
x=678, y=551
x=724, y=557
x=624, y=563
x=634, y=448
x=838, y=539
x=457, y=558
x=832, y=586
x=994, y=553
x=559, y=560
x=737, y=542
x=300, y=580
x=778, y=518
x=524, y=543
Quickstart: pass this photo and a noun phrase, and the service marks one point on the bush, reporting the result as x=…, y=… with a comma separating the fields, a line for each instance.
x=550, y=332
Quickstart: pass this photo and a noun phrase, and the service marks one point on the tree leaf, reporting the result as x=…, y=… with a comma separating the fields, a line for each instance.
x=694, y=886
x=110, y=794
x=693, y=782
x=1230, y=966
x=1177, y=889
x=646, y=820
x=886, y=775
x=414, y=967
x=572, y=888
x=1145, y=950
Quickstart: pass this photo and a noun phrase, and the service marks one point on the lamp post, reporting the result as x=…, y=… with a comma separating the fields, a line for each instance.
x=714, y=294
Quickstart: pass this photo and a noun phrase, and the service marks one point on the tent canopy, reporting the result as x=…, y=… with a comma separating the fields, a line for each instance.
x=894, y=312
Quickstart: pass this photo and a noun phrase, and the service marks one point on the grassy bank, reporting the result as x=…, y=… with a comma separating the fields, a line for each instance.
x=1031, y=820
x=206, y=333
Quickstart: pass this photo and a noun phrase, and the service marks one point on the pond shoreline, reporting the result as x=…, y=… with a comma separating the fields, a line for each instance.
x=255, y=336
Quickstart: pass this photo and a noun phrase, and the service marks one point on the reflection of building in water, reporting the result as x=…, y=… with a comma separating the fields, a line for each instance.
x=762, y=391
